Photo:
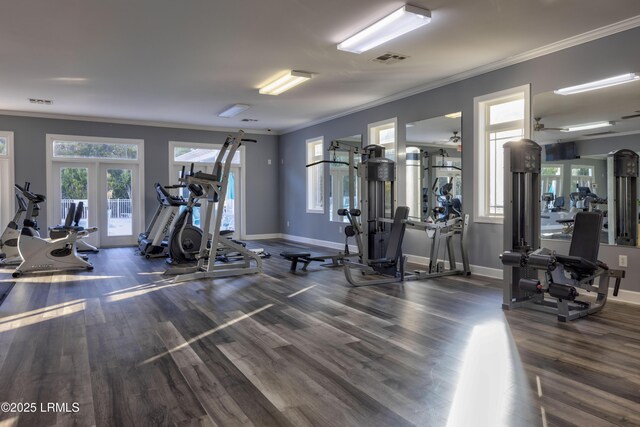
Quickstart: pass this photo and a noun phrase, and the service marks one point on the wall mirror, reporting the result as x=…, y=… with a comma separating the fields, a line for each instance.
x=577, y=132
x=339, y=189
x=434, y=167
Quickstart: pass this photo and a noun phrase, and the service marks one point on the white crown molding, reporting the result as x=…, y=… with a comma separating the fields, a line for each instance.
x=598, y=33
x=131, y=122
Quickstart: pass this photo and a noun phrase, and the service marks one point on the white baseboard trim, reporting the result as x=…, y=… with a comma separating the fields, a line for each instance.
x=316, y=242
x=479, y=270
x=632, y=297
x=262, y=236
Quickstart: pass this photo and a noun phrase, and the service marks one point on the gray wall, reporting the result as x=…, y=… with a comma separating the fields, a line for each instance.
x=601, y=58
x=262, y=178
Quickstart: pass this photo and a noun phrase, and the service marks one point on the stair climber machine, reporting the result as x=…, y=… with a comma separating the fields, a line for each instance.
x=212, y=189
x=154, y=241
x=523, y=258
x=9, y=254
x=383, y=226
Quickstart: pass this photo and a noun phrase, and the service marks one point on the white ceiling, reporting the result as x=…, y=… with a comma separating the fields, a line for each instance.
x=184, y=62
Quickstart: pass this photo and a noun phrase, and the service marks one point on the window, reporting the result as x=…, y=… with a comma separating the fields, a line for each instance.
x=582, y=176
x=384, y=133
x=94, y=150
x=203, y=156
x=551, y=179
x=499, y=118
x=315, y=176
x=7, y=201
x=414, y=183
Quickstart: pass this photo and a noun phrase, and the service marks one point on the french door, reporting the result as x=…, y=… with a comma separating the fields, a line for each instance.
x=110, y=195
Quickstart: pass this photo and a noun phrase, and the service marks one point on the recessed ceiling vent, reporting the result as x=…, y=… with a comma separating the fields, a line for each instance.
x=390, y=58
x=40, y=101
x=249, y=120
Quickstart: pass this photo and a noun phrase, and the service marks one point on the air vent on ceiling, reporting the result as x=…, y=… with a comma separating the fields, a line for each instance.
x=40, y=101
x=249, y=120
x=390, y=58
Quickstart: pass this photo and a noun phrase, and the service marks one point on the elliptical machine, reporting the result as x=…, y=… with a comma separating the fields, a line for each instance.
x=9, y=240
x=185, y=239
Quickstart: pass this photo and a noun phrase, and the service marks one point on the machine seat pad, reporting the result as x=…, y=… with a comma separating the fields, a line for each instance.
x=206, y=176
x=67, y=228
x=577, y=264
x=305, y=256
x=381, y=261
x=565, y=221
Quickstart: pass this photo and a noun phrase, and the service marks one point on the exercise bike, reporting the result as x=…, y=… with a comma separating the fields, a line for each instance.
x=39, y=254
x=9, y=254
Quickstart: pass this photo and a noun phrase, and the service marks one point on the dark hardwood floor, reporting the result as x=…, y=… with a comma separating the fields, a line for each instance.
x=277, y=348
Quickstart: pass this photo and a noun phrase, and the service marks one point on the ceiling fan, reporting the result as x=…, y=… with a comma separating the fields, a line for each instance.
x=537, y=127
x=631, y=116
x=455, y=138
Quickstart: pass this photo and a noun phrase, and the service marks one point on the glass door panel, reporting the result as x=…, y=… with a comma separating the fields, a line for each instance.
x=119, y=202
x=74, y=188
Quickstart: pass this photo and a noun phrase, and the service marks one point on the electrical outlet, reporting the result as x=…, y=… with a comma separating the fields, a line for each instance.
x=287, y=223
x=622, y=260
x=340, y=229
x=268, y=161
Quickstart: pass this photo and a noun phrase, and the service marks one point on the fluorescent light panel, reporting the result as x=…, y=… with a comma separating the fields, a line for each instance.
x=291, y=79
x=456, y=115
x=400, y=22
x=587, y=126
x=234, y=110
x=599, y=84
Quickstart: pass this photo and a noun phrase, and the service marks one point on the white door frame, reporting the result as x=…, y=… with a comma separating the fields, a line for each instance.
x=138, y=197
x=7, y=198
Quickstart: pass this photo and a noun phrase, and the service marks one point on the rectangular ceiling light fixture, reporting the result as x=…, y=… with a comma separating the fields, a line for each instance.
x=291, y=79
x=234, y=110
x=400, y=22
x=456, y=115
x=587, y=126
x=611, y=81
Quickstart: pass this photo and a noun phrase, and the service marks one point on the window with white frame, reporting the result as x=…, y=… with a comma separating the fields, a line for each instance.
x=6, y=178
x=315, y=176
x=499, y=118
x=203, y=156
x=384, y=133
x=551, y=179
x=582, y=176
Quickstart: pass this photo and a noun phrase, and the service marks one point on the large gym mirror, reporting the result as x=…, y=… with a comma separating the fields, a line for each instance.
x=577, y=133
x=339, y=189
x=434, y=167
